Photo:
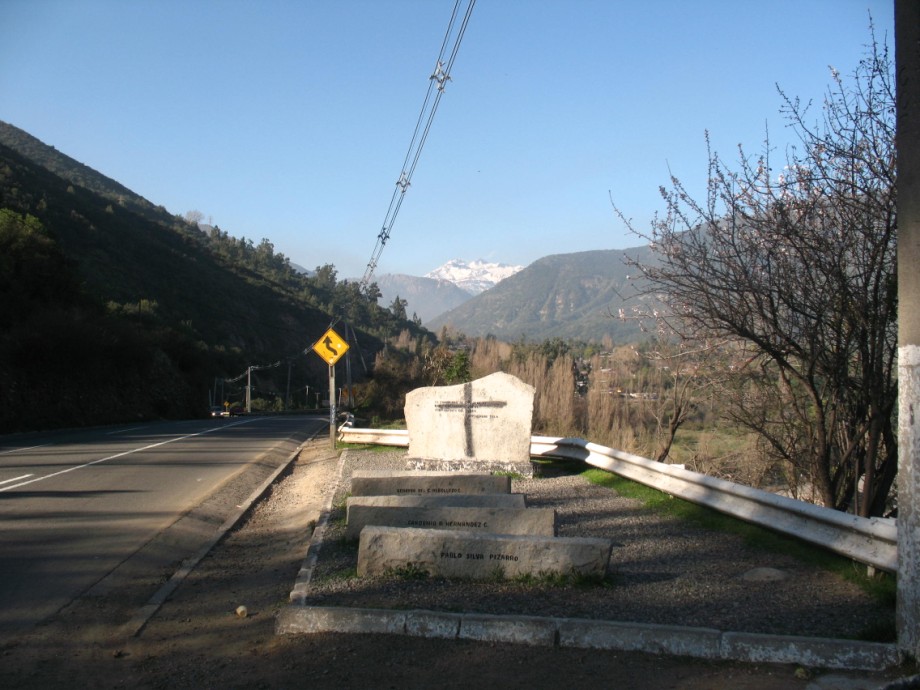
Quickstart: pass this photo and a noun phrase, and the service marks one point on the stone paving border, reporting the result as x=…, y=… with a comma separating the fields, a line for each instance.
x=705, y=643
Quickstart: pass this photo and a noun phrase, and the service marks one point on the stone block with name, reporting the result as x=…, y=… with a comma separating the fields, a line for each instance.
x=484, y=424
x=426, y=483
x=457, y=500
x=535, y=521
x=479, y=556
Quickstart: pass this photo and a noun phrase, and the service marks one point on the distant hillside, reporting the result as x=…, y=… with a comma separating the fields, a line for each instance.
x=427, y=297
x=569, y=296
x=113, y=309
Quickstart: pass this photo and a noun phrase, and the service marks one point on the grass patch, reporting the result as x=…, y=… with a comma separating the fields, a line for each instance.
x=342, y=503
x=410, y=571
x=882, y=586
x=689, y=442
x=497, y=574
x=369, y=447
x=377, y=423
x=573, y=579
x=337, y=575
x=556, y=467
x=339, y=514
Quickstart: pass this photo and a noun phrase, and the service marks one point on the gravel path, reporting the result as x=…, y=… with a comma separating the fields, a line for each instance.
x=663, y=570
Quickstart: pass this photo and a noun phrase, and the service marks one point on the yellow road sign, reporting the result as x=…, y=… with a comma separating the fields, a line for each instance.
x=330, y=347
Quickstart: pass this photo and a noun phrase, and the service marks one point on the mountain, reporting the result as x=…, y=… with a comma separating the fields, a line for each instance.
x=444, y=288
x=113, y=309
x=475, y=277
x=426, y=297
x=75, y=172
x=569, y=296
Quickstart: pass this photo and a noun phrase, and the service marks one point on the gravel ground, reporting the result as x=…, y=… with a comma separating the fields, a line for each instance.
x=662, y=570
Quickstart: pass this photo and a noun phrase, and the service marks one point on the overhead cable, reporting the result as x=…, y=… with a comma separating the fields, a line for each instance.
x=436, y=85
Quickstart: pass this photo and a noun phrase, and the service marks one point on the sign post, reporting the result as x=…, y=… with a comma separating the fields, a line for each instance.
x=330, y=347
x=332, y=405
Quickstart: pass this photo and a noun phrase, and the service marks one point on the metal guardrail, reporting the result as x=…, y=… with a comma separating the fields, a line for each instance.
x=872, y=541
x=382, y=437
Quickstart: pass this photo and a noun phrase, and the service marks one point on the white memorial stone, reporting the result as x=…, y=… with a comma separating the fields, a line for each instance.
x=535, y=521
x=482, y=424
x=422, y=483
x=456, y=500
x=479, y=556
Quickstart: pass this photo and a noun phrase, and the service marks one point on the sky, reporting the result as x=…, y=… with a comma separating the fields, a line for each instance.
x=291, y=119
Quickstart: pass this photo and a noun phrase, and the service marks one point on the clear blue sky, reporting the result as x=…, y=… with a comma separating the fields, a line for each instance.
x=290, y=119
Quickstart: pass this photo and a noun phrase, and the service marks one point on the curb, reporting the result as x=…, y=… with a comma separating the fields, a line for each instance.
x=305, y=574
x=702, y=643
x=134, y=626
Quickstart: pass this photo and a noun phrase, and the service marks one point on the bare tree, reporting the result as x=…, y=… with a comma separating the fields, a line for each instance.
x=800, y=267
x=194, y=217
x=688, y=371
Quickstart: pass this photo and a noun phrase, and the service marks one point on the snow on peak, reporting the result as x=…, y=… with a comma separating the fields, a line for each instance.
x=473, y=276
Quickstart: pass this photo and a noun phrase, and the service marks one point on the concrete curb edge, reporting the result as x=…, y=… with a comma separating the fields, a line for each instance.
x=703, y=643
x=305, y=574
x=134, y=626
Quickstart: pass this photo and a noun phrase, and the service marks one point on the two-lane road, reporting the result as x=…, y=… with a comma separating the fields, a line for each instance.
x=74, y=505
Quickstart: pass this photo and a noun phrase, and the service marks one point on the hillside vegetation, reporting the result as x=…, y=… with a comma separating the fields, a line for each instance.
x=113, y=309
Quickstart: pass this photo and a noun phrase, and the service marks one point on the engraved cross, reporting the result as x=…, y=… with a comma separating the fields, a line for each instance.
x=468, y=407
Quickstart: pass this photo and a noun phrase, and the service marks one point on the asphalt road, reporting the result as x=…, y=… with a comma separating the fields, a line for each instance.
x=75, y=505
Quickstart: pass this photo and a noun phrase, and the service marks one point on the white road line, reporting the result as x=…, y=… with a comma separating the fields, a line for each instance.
x=127, y=452
x=15, y=479
x=17, y=450
x=124, y=431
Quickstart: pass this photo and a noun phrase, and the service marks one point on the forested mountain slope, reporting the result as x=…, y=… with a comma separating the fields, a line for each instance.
x=112, y=308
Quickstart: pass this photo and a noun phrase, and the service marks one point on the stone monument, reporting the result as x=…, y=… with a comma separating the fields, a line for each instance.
x=484, y=426
x=441, y=515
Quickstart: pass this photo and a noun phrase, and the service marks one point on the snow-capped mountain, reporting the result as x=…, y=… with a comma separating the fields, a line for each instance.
x=475, y=277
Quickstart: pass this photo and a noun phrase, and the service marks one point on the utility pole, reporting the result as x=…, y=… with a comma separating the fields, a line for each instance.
x=348, y=383
x=287, y=394
x=249, y=390
x=907, y=80
x=253, y=367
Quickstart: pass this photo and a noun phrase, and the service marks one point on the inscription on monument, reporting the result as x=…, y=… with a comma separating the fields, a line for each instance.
x=479, y=556
x=434, y=484
x=484, y=518
x=471, y=410
x=430, y=490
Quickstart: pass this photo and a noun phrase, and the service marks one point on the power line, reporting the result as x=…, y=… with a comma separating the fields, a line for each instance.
x=436, y=85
